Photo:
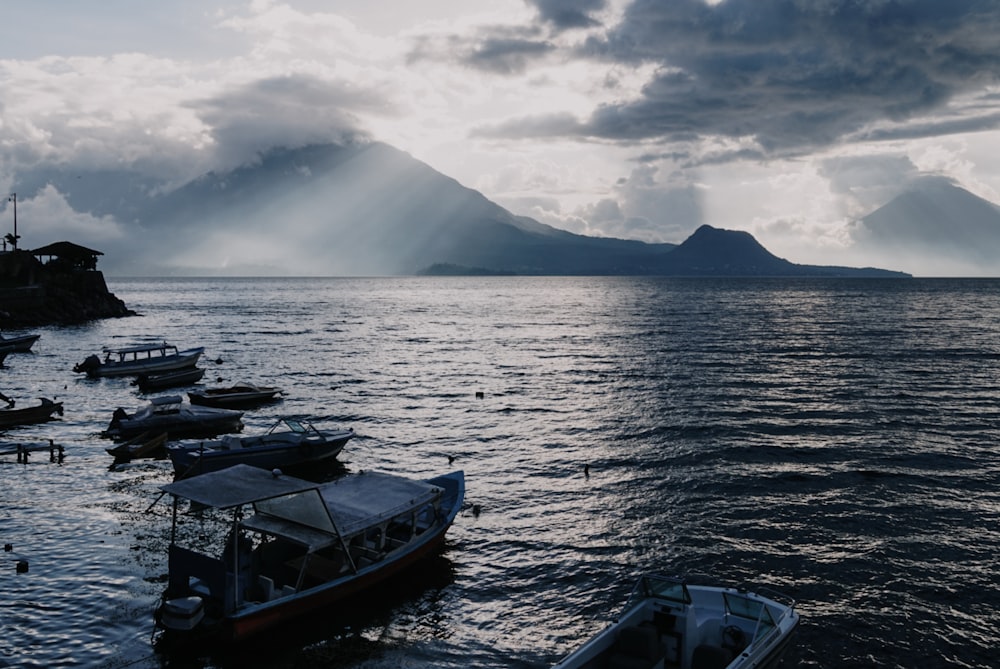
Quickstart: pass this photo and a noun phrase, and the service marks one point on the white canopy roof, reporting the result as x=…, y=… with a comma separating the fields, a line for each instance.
x=237, y=485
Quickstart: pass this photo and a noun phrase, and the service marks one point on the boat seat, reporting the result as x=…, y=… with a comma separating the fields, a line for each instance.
x=637, y=647
x=266, y=588
x=707, y=656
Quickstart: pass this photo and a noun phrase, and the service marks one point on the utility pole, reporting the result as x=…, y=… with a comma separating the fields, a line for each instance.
x=13, y=198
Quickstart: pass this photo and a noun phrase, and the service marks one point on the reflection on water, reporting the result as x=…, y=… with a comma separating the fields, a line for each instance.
x=832, y=439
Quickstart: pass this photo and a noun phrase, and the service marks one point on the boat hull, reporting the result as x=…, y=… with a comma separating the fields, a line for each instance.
x=166, y=363
x=20, y=344
x=254, y=617
x=190, y=460
x=252, y=623
x=233, y=398
x=673, y=623
x=183, y=377
x=30, y=415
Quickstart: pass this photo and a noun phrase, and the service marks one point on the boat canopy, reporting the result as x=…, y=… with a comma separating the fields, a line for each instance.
x=235, y=486
x=358, y=502
x=141, y=348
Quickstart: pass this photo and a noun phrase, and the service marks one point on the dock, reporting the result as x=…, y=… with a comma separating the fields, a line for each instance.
x=22, y=451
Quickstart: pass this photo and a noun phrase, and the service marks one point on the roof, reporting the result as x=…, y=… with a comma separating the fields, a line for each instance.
x=367, y=499
x=235, y=486
x=64, y=249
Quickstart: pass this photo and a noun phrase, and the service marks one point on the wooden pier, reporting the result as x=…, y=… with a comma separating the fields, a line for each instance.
x=22, y=451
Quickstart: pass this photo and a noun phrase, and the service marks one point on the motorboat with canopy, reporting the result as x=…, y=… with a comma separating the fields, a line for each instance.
x=283, y=546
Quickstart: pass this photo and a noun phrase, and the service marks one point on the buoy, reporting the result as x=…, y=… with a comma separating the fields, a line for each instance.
x=586, y=470
x=475, y=510
x=479, y=395
x=451, y=459
x=275, y=472
x=22, y=566
x=8, y=548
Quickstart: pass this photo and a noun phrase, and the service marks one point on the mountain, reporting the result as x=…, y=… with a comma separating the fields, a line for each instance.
x=713, y=252
x=935, y=227
x=367, y=210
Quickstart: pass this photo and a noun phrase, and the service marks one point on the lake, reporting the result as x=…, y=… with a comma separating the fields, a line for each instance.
x=836, y=440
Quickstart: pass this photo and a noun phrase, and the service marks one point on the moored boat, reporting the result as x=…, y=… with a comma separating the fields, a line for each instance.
x=668, y=622
x=139, y=359
x=44, y=411
x=287, y=444
x=171, y=415
x=299, y=546
x=242, y=395
x=19, y=343
x=181, y=377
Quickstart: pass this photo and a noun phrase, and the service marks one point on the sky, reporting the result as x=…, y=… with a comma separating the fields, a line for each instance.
x=643, y=119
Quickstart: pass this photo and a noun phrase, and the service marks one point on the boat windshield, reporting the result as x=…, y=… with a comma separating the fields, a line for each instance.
x=751, y=609
x=660, y=587
x=295, y=426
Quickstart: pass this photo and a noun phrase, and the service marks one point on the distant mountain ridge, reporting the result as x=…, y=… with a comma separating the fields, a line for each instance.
x=370, y=209
x=933, y=224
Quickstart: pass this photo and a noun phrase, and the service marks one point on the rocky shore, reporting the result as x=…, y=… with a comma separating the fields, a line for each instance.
x=53, y=293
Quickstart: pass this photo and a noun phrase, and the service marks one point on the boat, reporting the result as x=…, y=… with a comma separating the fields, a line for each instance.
x=139, y=359
x=170, y=414
x=668, y=622
x=181, y=377
x=145, y=445
x=9, y=416
x=20, y=343
x=285, y=547
x=242, y=395
x=287, y=444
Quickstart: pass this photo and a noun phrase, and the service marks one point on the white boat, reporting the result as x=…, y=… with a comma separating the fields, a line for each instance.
x=19, y=343
x=668, y=622
x=280, y=547
x=139, y=359
x=171, y=415
x=242, y=395
x=287, y=444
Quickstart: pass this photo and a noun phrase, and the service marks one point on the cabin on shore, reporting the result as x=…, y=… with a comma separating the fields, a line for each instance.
x=67, y=255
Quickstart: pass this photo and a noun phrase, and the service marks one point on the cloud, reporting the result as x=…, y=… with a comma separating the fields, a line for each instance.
x=503, y=50
x=47, y=217
x=290, y=111
x=791, y=75
x=567, y=14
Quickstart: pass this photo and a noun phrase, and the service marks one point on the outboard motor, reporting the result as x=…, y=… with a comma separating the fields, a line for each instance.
x=89, y=363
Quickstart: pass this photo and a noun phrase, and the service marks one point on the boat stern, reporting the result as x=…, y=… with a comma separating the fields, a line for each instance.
x=181, y=614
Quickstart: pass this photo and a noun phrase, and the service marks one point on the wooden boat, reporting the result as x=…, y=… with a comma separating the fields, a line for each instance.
x=181, y=377
x=285, y=546
x=20, y=343
x=146, y=445
x=9, y=416
x=139, y=359
x=170, y=414
x=243, y=395
x=668, y=622
x=287, y=444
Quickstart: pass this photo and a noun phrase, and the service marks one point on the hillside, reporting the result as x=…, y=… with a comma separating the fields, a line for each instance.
x=366, y=210
x=934, y=226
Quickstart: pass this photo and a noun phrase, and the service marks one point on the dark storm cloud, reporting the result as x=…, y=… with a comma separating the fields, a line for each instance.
x=496, y=49
x=567, y=14
x=794, y=74
x=290, y=111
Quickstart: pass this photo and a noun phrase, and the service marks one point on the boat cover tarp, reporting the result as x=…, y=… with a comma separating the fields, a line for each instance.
x=367, y=499
x=236, y=485
x=309, y=537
